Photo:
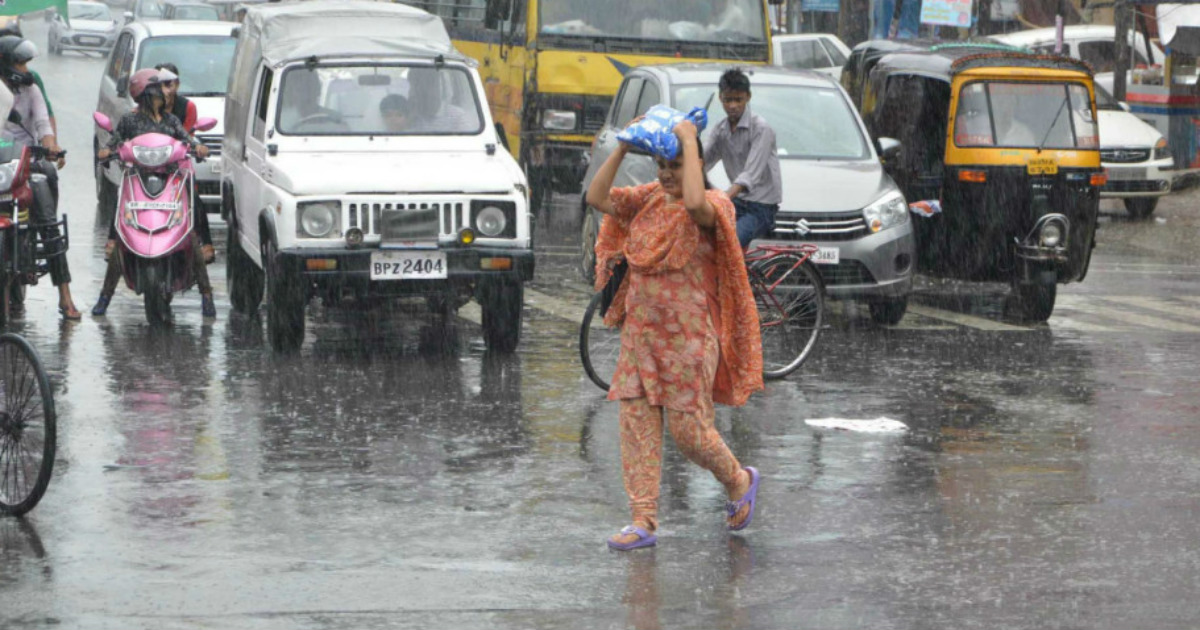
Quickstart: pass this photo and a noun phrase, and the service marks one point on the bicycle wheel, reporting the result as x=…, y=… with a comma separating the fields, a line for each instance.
x=27, y=426
x=791, y=309
x=599, y=345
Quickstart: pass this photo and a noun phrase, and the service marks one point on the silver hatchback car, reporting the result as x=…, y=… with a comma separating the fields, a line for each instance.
x=836, y=194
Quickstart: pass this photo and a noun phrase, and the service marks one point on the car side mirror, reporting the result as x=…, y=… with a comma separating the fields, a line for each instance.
x=888, y=148
x=122, y=86
x=204, y=124
x=103, y=121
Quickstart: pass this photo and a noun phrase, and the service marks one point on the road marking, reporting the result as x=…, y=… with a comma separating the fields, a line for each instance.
x=962, y=319
x=1155, y=304
x=1127, y=317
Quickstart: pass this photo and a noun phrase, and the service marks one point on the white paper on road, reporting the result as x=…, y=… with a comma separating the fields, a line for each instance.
x=878, y=425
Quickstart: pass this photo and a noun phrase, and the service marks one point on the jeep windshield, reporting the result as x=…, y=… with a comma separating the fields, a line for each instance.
x=825, y=129
x=720, y=21
x=204, y=61
x=378, y=100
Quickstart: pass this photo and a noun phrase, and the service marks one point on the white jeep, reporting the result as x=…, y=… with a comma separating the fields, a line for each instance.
x=360, y=161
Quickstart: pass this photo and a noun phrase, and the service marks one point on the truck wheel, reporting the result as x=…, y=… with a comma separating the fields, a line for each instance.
x=285, y=303
x=1035, y=301
x=500, y=303
x=1141, y=208
x=242, y=276
x=890, y=311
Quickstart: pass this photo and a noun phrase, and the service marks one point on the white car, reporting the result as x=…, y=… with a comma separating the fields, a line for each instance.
x=822, y=52
x=93, y=27
x=1093, y=43
x=1134, y=155
x=361, y=163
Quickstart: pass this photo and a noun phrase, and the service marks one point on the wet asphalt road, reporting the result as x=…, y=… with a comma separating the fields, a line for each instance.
x=382, y=480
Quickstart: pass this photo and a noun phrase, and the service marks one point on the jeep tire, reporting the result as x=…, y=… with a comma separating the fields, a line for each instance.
x=285, y=302
x=501, y=303
x=242, y=276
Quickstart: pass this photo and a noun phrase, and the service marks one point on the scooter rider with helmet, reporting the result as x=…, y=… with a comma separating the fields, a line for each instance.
x=150, y=116
x=30, y=125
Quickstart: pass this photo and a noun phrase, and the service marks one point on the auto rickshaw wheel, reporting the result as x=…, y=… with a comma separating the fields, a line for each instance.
x=1035, y=301
x=1141, y=207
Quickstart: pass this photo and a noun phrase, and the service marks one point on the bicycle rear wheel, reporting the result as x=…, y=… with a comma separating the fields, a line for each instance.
x=599, y=345
x=791, y=310
x=28, y=426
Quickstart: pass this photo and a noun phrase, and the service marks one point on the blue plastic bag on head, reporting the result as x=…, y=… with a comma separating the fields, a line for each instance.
x=654, y=133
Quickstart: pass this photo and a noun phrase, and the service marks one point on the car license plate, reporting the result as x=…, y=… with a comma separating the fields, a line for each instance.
x=827, y=256
x=1126, y=174
x=396, y=265
x=91, y=41
x=1042, y=166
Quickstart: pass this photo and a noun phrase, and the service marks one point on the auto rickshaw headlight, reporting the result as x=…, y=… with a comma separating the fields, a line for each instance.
x=1050, y=234
x=889, y=211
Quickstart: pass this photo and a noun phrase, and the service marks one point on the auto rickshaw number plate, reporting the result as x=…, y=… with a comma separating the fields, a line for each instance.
x=1042, y=166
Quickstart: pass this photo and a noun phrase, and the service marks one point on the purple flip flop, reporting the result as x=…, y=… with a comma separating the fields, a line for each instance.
x=645, y=539
x=733, y=507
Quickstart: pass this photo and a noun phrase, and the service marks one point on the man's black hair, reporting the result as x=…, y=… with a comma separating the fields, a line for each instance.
x=734, y=79
x=394, y=103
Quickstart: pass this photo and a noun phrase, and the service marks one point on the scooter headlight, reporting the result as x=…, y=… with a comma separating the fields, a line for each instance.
x=891, y=210
x=153, y=157
x=318, y=219
x=8, y=172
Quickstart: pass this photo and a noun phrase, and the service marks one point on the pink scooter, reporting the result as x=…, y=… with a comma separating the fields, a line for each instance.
x=154, y=216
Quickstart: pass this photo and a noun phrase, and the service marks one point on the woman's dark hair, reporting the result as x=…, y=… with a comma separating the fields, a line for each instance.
x=734, y=79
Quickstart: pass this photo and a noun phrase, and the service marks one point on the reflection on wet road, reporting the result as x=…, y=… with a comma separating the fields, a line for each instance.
x=394, y=475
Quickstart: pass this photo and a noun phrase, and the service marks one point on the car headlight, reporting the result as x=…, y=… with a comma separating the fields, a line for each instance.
x=318, y=219
x=492, y=219
x=153, y=156
x=558, y=119
x=1161, y=150
x=889, y=211
x=8, y=172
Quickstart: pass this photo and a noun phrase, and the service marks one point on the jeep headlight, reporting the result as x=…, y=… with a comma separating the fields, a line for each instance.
x=318, y=219
x=153, y=157
x=494, y=219
x=1161, y=150
x=889, y=211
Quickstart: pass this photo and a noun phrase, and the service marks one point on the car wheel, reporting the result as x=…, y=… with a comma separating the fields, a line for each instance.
x=888, y=312
x=285, y=303
x=501, y=304
x=242, y=276
x=1141, y=208
x=589, y=232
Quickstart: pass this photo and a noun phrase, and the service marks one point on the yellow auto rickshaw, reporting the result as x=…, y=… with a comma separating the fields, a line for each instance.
x=1007, y=143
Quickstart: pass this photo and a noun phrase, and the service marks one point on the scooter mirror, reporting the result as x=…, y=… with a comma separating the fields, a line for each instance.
x=204, y=124
x=103, y=121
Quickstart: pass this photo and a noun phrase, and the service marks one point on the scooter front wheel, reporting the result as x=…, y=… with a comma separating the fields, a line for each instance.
x=155, y=294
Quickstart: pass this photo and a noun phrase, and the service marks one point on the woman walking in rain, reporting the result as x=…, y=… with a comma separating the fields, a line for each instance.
x=690, y=331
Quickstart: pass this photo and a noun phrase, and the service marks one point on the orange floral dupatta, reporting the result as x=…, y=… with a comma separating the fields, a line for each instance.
x=669, y=245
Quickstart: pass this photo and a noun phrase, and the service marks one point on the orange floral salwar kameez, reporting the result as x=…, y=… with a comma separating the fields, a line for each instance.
x=689, y=335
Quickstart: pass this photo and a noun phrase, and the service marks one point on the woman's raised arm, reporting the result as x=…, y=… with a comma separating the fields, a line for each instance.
x=598, y=192
x=693, y=176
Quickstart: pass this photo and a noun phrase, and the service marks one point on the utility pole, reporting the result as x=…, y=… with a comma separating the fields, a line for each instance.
x=983, y=25
x=1123, y=20
x=793, y=16
x=854, y=21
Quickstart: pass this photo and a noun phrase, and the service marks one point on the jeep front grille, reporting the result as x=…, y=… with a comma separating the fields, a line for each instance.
x=398, y=220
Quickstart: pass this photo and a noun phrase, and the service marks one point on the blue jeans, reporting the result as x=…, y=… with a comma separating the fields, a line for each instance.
x=754, y=220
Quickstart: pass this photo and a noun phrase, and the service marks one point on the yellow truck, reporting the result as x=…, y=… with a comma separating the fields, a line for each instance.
x=552, y=67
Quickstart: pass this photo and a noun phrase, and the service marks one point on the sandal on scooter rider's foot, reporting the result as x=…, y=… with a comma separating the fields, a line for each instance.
x=70, y=313
x=101, y=307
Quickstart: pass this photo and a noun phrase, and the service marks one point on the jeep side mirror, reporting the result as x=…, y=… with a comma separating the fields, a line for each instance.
x=122, y=86
x=204, y=124
x=889, y=148
x=102, y=121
